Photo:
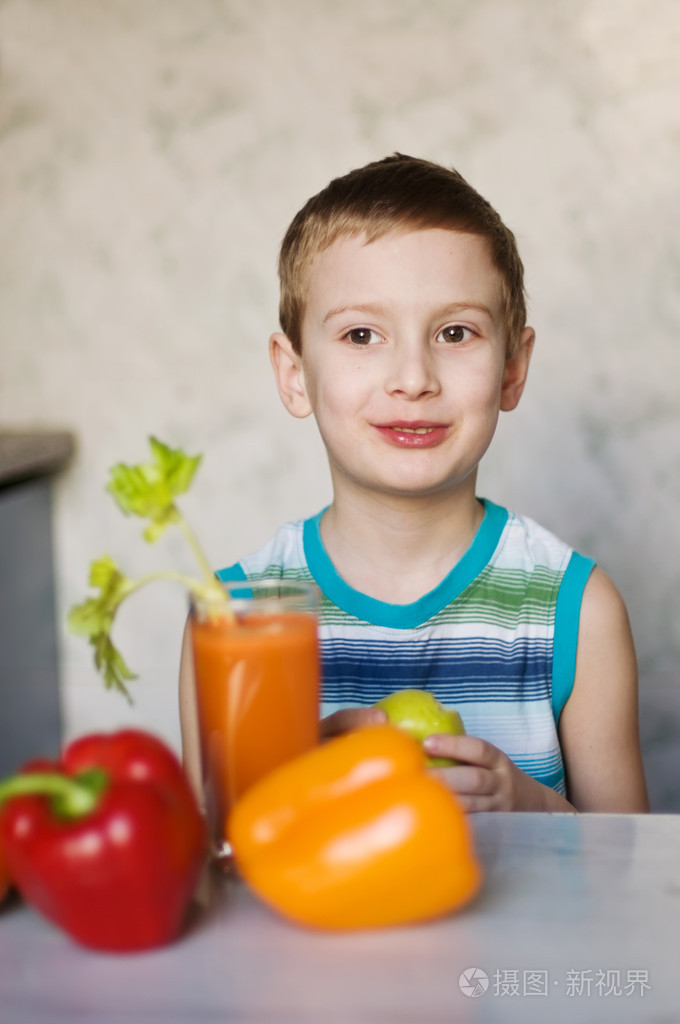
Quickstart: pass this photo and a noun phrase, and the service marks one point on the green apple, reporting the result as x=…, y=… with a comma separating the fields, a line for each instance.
x=420, y=714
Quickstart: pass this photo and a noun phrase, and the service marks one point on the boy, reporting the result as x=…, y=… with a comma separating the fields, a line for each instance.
x=404, y=334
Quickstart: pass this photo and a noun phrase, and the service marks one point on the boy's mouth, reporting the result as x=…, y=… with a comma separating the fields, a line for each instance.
x=413, y=435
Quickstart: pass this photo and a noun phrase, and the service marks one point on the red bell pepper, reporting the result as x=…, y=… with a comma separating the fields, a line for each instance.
x=109, y=845
x=4, y=877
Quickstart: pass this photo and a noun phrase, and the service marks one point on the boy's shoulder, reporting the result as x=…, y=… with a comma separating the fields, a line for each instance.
x=525, y=540
x=284, y=551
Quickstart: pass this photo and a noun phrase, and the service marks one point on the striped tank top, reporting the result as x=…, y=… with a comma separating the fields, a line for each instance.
x=496, y=639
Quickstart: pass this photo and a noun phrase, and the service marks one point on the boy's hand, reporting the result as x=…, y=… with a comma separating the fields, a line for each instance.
x=350, y=718
x=487, y=780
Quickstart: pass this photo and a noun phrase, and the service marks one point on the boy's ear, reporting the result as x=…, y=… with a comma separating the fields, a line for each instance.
x=290, y=376
x=516, y=369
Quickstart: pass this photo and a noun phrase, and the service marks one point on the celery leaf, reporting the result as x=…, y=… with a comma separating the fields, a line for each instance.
x=93, y=618
x=148, y=490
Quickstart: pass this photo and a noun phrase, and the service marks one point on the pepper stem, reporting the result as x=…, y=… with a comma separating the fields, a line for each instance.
x=72, y=796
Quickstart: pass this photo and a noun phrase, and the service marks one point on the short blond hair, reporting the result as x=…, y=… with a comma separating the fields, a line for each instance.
x=397, y=193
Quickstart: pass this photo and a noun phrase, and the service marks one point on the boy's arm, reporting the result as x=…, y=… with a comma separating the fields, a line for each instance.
x=598, y=729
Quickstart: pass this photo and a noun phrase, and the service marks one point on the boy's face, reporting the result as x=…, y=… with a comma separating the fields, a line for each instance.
x=403, y=360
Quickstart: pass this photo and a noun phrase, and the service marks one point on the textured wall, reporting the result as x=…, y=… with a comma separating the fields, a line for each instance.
x=151, y=156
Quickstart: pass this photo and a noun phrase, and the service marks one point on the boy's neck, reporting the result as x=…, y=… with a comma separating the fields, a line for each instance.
x=394, y=549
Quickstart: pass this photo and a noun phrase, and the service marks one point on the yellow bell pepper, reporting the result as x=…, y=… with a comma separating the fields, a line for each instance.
x=356, y=834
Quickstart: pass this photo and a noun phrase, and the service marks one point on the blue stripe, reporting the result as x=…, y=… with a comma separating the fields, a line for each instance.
x=489, y=672
x=404, y=616
x=416, y=650
x=567, y=613
x=450, y=682
x=479, y=660
x=363, y=695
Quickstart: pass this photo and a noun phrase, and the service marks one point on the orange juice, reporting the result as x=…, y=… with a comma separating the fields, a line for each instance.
x=257, y=689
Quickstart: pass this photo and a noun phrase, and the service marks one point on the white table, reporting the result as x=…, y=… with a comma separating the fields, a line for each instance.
x=570, y=903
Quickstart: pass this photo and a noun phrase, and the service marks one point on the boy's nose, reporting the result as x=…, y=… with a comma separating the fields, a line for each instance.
x=412, y=372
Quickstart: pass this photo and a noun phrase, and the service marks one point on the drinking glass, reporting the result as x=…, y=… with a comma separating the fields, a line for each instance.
x=257, y=678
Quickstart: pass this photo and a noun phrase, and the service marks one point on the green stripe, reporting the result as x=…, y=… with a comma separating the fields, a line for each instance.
x=505, y=598
x=273, y=571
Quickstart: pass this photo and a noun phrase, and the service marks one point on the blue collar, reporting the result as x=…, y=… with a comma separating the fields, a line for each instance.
x=404, y=616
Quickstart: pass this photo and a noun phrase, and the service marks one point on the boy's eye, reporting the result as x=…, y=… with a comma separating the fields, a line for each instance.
x=454, y=333
x=362, y=336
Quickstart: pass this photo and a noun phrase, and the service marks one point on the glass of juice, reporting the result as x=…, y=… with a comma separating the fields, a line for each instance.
x=257, y=678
